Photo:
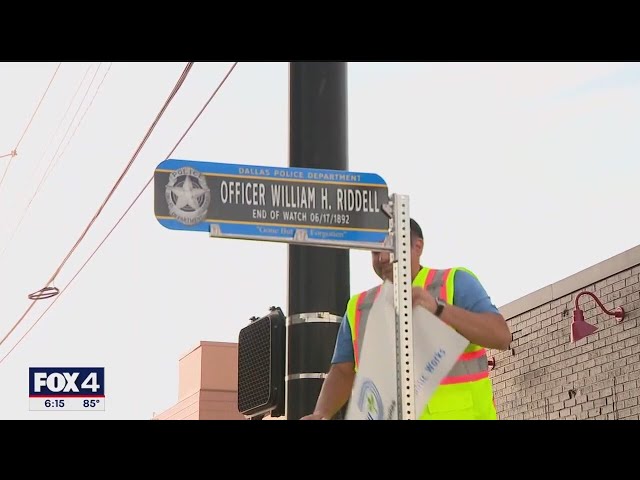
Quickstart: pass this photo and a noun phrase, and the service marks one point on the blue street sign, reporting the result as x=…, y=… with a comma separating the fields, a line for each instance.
x=271, y=203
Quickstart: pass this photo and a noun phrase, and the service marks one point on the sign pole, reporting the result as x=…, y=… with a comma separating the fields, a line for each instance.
x=384, y=387
x=402, y=281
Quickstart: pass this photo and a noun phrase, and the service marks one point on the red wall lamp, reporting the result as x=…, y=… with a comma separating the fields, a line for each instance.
x=580, y=328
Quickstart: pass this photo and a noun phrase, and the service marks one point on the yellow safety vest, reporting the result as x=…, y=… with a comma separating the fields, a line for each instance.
x=466, y=393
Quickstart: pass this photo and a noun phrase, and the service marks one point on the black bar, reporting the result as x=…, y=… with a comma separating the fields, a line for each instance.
x=310, y=346
x=304, y=392
x=318, y=276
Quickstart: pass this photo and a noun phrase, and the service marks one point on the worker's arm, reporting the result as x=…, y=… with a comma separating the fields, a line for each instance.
x=486, y=329
x=336, y=388
x=473, y=315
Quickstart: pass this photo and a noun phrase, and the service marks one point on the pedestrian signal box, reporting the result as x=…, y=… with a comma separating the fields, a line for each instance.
x=261, y=365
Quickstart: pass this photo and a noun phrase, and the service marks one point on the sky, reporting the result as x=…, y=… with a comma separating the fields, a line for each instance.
x=525, y=173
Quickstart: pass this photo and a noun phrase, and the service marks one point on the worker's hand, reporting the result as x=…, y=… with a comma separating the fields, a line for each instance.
x=423, y=298
x=382, y=265
x=313, y=416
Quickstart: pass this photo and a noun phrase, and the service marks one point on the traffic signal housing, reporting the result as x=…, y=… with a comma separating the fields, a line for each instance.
x=261, y=365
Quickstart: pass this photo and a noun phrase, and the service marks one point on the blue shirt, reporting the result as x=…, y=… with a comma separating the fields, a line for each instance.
x=469, y=294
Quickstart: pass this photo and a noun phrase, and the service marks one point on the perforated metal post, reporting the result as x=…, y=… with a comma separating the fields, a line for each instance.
x=402, y=280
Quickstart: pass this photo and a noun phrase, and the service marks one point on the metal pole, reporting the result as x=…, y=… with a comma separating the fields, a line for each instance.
x=318, y=277
x=403, y=304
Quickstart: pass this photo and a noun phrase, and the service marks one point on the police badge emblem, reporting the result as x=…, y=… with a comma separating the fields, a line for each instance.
x=188, y=196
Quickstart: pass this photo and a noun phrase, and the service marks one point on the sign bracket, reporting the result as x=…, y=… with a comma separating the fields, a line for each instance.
x=301, y=237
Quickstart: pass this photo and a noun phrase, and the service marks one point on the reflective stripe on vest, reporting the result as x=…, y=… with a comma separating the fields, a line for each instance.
x=362, y=302
x=470, y=366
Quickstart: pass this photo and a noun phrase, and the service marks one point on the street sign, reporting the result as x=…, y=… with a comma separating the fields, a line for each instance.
x=294, y=205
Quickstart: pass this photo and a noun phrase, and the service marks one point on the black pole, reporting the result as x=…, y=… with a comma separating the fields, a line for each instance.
x=318, y=276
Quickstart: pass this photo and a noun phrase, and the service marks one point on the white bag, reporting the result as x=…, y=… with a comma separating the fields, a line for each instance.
x=436, y=349
x=374, y=395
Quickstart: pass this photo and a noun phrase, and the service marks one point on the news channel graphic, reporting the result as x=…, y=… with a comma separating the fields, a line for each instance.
x=66, y=389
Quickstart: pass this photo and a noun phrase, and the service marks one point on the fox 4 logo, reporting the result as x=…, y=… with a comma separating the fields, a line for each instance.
x=69, y=382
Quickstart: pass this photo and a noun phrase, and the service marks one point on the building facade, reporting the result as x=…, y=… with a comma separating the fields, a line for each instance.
x=207, y=384
x=547, y=376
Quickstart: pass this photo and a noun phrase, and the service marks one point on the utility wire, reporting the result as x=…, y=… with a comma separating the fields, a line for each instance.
x=14, y=152
x=43, y=293
x=35, y=193
x=95, y=94
x=75, y=94
x=146, y=185
x=55, y=162
x=55, y=156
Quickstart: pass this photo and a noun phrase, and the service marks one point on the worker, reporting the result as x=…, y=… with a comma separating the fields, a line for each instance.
x=456, y=297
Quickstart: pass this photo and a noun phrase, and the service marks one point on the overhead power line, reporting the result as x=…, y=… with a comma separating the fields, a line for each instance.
x=51, y=161
x=55, y=159
x=75, y=94
x=39, y=294
x=14, y=152
x=146, y=185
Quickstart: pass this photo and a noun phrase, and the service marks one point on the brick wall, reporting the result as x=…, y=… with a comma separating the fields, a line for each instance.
x=545, y=376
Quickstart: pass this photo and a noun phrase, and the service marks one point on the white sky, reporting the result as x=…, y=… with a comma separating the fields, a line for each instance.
x=523, y=172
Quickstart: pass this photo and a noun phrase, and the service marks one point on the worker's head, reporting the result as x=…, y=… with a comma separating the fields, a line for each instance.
x=381, y=260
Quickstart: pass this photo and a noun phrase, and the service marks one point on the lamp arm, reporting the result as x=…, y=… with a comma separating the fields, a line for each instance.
x=597, y=301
